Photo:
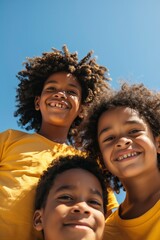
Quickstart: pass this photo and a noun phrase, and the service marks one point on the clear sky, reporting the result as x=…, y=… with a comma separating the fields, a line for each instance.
x=124, y=34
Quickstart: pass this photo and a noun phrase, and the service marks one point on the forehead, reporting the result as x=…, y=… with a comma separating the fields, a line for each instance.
x=77, y=178
x=62, y=77
x=122, y=110
x=120, y=115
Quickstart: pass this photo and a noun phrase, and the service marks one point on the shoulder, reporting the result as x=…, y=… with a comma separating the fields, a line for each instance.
x=113, y=218
x=112, y=200
x=70, y=150
x=12, y=134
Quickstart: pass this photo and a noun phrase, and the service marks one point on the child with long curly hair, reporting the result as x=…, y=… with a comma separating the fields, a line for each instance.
x=124, y=133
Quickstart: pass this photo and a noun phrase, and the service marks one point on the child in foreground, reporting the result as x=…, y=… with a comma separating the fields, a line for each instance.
x=52, y=95
x=125, y=135
x=71, y=200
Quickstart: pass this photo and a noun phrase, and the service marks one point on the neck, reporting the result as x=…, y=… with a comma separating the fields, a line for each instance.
x=142, y=193
x=54, y=133
x=144, y=186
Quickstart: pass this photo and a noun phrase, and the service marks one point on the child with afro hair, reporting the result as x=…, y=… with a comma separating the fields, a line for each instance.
x=54, y=91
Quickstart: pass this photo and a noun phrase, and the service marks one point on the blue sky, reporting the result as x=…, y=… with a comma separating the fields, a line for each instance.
x=124, y=34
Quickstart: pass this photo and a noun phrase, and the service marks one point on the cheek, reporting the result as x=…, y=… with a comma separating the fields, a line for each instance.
x=147, y=143
x=55, y=213
x=101, y=218
x=101, y=147
x=106, y=154
x=100, y=224
x=76, y=100
x=108, y=161
x=41, y=103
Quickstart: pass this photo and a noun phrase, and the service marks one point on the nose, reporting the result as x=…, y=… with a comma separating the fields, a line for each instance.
x=81, y=208
x=123, y=142
x=60, y=94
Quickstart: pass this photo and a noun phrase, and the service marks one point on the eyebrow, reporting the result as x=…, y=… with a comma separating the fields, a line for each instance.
x=130, y=122
x=54, y=81
x=72, y=187
x=104, y=130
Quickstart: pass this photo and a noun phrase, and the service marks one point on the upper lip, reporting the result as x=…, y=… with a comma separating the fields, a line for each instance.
x=126, y=154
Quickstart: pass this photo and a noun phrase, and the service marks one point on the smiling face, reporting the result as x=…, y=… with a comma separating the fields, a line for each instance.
x=60, y=100
x=127, y=143
x=74, y=208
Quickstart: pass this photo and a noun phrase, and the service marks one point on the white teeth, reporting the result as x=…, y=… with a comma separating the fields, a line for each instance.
x=127, y=156
x=59, y=105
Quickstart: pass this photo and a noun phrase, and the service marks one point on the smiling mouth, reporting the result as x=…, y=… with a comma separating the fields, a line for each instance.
x=78, y=225
x=127, y=156
x=58, y=105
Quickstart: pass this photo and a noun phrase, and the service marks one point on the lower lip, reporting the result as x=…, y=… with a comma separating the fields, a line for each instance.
x=58, y=108
x=78, y=226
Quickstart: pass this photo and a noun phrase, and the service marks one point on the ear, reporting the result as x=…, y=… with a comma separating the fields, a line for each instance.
x=81, y=114
x=37, y=220
x=36, y=103
x=157, y=139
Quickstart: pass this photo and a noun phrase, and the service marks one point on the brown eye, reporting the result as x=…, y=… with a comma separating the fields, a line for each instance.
x=95, y=202
x=71, y=92
x=51, y=89
x=65, y=198
x=108, y=139
x=134, y=131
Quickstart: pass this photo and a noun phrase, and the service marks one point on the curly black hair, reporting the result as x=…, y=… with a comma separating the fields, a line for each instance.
x=92, y=77
x=62, y=164
x=135, y=96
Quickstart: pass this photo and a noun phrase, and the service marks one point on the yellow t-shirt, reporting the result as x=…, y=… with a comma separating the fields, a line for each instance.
x=23, y=158
x=145, y=227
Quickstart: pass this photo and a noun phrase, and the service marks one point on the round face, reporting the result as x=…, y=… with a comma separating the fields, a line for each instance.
x=74, y=208
x=60, y=100
x=127, y=143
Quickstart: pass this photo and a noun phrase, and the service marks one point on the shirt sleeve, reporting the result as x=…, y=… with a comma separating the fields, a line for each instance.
x=112, y=201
